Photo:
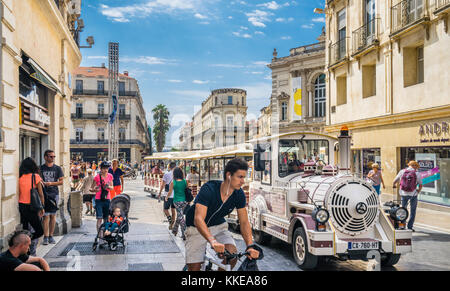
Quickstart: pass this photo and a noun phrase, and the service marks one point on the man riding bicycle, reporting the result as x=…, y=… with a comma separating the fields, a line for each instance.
x=206, y=222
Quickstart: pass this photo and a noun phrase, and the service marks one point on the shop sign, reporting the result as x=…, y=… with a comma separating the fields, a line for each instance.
x=435, y=132
x=37, y=114
x=429, y=171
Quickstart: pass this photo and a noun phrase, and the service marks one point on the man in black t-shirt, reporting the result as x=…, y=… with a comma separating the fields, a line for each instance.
x=53, y=176
x=206, y=222
x=16, y=258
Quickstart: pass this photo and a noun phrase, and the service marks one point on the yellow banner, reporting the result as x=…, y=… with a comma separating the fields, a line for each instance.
x=298, y=102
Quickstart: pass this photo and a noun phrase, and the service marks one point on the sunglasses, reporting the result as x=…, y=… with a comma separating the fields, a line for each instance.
x=51, y=157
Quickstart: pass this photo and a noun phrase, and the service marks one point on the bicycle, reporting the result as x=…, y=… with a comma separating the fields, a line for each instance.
x=212, y=259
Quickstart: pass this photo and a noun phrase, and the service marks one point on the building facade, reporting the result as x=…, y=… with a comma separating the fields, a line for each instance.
x=221, y=121
x=39, y=50
x=388, y=82
x=90, y=117
x=298, y=100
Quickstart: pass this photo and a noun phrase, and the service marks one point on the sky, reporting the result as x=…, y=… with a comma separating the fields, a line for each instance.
x=180, y=50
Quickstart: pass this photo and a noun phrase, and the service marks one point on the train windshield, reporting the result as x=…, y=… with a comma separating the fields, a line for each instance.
x=293, y=154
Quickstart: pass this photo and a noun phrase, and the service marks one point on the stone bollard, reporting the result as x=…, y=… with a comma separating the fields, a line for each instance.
x=76, y=208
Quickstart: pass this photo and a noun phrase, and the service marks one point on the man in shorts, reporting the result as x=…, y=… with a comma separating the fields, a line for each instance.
x=53, y=176
x=168, y=200
x=16, y=258
x=206, y=222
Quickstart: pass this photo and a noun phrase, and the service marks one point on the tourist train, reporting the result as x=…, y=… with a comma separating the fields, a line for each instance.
x=300, y=190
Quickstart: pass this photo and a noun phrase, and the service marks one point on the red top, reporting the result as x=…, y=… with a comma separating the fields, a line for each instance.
x=116, y=219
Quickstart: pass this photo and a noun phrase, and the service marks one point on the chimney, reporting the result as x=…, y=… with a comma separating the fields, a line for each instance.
x=125, y=73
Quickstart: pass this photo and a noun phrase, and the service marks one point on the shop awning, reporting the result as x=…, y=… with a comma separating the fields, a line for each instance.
x=42, y=77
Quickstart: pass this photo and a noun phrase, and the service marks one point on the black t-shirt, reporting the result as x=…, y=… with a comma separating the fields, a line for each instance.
x=209, y=196
x=9, y=263
x=51, y=174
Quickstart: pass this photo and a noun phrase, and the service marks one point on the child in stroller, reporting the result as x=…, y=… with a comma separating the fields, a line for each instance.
x=113, y=221
x=114, y=236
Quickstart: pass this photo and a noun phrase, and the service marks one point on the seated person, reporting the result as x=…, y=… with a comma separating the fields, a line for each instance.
x=114, y=221
x=16, y=258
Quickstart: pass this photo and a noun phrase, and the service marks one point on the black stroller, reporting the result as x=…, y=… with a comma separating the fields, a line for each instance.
x=113, y=240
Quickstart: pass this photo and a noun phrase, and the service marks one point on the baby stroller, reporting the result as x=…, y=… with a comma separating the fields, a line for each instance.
x=113, y=240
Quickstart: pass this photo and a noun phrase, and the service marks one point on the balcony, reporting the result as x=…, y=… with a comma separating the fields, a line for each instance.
x=366, y=36
x=338, y=52
x=103, y=93
x=105, y=142
x=407, y=14
x=98, y=116
x=306, y=49
x=441, y=6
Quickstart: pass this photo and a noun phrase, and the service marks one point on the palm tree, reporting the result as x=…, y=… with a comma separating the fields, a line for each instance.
x=162, y=126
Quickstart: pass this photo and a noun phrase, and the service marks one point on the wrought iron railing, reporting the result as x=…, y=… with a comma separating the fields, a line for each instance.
x=105, y=141
x=103, y=92
x=338, y=51
x=308, y=49
x=406, y=13
x=366, y=35
x=98, y=116
x=441, y=4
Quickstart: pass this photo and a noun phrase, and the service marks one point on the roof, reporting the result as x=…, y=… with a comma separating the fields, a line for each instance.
x=95, y=72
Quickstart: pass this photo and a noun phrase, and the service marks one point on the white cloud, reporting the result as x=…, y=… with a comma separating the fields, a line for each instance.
x=174, y=81
x=259, y=32
x=147, y=60
x=228, y=66
x=191, y=93
x=245, y=35
x=230, y=17
x=308, y=26
x=244, y=28
x=272, y=5
x=286, y=37
x=205, y=22
x=199, y=16
x=97, y=57
x=319, y=19
x=199, y=82
x=258, y=17
x=260, y=63
x=281, y=19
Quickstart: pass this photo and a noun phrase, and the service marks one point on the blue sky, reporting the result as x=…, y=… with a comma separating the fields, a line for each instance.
x=180, y=50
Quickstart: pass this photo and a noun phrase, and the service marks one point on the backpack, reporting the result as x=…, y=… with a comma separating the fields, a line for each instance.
x=408, y=182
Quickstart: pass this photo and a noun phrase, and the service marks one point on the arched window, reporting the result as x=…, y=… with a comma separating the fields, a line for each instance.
x=319, y=96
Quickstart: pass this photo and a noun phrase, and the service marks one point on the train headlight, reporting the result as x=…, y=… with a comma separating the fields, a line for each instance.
x=321, y=215
x=399, y=213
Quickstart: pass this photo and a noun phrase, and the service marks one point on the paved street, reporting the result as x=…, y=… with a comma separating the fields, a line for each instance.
x=152, y=247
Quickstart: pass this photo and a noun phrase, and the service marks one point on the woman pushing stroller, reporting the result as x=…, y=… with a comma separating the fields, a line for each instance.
x=114, y=221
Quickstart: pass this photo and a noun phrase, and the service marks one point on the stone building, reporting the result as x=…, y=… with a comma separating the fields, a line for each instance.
x=388, y=82
x=39, y=50
x=298, y=99
x=221, y=121
x=90, y=117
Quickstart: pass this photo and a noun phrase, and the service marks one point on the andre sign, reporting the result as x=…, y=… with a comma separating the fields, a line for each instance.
x=434, y=132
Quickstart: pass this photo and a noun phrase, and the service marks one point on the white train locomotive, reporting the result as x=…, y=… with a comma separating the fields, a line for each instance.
x=321, y=210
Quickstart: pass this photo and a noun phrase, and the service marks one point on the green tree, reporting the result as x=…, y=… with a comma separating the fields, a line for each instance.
x=162, y=125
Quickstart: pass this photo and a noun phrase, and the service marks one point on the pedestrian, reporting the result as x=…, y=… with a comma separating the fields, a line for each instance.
x=118, y=178
x=376, y=178
x=193, y=178
x=178, y=188
x=52, y=176
x=16, y=257
x=28, y=172
x=102, y=185
x=168, y=199
x=87, y=194
x=83, y=170
x=408, y=179
x=75, y=175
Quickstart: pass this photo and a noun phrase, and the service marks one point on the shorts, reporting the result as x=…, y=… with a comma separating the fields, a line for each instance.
x=88, y=198
x=196, y=244
x=51, y=209
x=117, y=190
x=169, y=204
x=102, y=209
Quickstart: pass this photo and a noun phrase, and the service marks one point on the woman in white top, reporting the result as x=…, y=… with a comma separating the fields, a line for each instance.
x=193, y=178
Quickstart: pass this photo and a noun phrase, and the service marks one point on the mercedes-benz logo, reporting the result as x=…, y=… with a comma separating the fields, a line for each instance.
x=361, y=207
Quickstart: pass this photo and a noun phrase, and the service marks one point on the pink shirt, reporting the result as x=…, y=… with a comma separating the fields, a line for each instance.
x=105, y=181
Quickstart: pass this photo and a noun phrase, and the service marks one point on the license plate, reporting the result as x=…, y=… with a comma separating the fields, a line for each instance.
x=361, y=245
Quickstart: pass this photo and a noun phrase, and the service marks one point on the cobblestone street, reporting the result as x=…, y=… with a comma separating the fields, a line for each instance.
x=150, y=246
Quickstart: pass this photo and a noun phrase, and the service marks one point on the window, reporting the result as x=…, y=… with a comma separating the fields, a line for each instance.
x=79, y=87
x=100, y=87
x=342, y=33
x=319, y=96
x=420, y=65
x=121, y=88
x=121, y=109
x=101, y=109
x=243, y=101
x=413, y=65
x=79, y=134
x=122, y=133
x=370, y=18
x=79, y=110
x=415, y=10
x=263, y=160
x=230, y=122
x=100, y=134
x=293, y=154
x=369, y=79
x=284, y=111
x=341, y=88
x=216, y=122
x=215, y=100
x=230, y=100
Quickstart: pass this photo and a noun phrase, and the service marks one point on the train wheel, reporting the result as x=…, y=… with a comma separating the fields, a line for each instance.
x=302, y=256
x=390, y=260
x=261, y=237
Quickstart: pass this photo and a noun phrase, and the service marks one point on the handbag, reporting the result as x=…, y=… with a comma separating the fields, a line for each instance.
x=104, y=193
x=35, y=199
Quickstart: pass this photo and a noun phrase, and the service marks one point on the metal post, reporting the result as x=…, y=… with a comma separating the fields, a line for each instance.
x=113, y=141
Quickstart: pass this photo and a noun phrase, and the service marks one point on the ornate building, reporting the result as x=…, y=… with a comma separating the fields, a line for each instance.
x=298, y=100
